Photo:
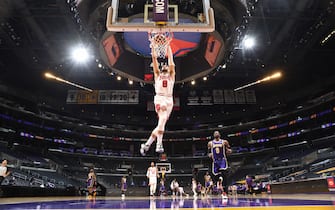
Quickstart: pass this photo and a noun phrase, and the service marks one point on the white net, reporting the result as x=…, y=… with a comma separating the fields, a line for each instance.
x=160, y=42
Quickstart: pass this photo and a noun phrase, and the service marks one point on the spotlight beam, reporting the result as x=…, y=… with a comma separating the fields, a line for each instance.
x=50, y=76
x=329, y=36
x=247, y=85
x=265, y=79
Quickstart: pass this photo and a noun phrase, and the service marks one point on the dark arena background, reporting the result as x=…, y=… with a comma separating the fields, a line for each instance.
x=75, y=97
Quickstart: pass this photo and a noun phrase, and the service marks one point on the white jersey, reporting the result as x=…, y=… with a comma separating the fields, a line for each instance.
x=152, y=175
x=3, y=171
x=164, y=85
x=174, y=185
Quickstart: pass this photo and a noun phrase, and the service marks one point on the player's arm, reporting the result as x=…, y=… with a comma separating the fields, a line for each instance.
x=155, y=64
x=171, y=63
x=157, y=172
x=7, y=173
x=227, y=146
x=209, y=149
x=148, y=173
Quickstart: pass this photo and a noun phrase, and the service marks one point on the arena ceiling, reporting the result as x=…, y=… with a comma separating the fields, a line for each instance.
x=36, y=36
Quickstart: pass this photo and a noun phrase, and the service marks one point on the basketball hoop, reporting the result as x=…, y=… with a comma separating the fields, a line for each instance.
x=159, y=41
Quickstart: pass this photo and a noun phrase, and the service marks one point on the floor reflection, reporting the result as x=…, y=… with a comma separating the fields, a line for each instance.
x=174, y=203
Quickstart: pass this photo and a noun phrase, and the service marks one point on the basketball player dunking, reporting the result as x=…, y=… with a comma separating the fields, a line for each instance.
x=164, y=82
x=218, y=148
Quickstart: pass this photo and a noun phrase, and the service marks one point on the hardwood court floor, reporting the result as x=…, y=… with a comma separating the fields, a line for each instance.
x=259, y=202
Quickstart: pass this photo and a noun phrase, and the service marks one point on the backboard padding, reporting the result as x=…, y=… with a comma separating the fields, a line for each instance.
x=118, y=24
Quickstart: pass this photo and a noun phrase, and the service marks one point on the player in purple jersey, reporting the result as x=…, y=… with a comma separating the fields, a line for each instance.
x=217, y=150
x=123, y=186
x=249, y=183
x=91, y=183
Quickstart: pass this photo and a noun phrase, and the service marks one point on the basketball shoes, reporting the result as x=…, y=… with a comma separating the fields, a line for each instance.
x=144, y=148
x=159, y=148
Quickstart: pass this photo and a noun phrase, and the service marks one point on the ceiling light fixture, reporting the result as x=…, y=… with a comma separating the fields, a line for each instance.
x=80, y=54
x=248, y=42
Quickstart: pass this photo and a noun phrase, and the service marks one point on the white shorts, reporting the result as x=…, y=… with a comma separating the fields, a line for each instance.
x=152, y=180
x=163, y=101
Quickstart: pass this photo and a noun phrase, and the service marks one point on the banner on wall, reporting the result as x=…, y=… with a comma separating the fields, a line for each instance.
x=229, y=97
x=217, y=96
x=103, y=97
x=82, y=97
x=239, y=97
x=250, y=96
x=200, y=97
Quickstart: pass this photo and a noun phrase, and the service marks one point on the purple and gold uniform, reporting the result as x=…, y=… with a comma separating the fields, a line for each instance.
x=90, y=182
x=124, y=184
x=219, y=156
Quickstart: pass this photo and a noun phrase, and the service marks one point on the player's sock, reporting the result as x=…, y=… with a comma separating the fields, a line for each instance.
x=145, y=147
x=159, y=145
x=160, y=139
x=150, y=141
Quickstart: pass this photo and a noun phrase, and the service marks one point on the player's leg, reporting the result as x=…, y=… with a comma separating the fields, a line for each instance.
x=162, y=119
x=224, y=182
x=223, y=173
x=160, y=131
x=215, y=171
x=194, y=189
x=124, y=189
x=159, y=103
x=154, y=188
x=159, y=144
x=206, y=187
x=94, y=193
x=167, y=109
x=150, y=188
x=146, y=146
x=216, y=180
